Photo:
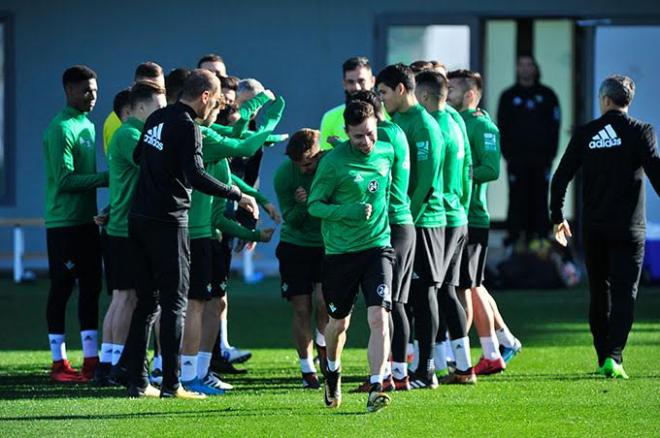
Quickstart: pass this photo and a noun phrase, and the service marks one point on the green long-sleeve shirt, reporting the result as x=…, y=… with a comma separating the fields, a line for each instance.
x=71, y=176
x=484, y=140
x=399, y=206
x=456, y=169
x=123, y=174
x=299, y=227
x=426, y=163
x=247, y=111
x=347, y=179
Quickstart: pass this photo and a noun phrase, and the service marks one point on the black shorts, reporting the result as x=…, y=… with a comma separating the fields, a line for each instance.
x=403, y=242
x=300, y=268
x=473, y=264
x=119, y=261
x=455, y=239
x=200, y=269
x=344, y=274
x=429, y=256
x=75, y=252
x=220, y=265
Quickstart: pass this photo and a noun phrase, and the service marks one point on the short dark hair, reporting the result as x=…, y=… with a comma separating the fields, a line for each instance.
x=469, y=79
x=229, y=82
x=357, y=112
x=149, y=70
x=121, y=101
x=300, y=142
x=209, y=57
x=354, y=63
x=144, y=91
x=174, y=82
x=76, y=74
x=396, y=74
x=433, y=81
x=420, y=66
x=619, y=88
x=199, y=81
x=368, y=96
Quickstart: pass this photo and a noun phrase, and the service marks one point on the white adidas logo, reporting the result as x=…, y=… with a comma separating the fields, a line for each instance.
x=152, y=137
x=606, y=138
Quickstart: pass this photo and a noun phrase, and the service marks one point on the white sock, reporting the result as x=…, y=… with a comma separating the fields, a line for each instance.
x=188, y=368
x=376, y=379
x=224, y=343
x=439, y=356
x=106, y=353
x=57, y=347
x=307, y=365
x=90, y=343
x=415, y=362
x=116, y=353
x=399, y=370
x=157, y=363
x=490, y=346
x=410, y=349
x=505, y=337
x=387, y=369
x=320, y=339
x=333, y=365
x=461, y=349
x=203, y=363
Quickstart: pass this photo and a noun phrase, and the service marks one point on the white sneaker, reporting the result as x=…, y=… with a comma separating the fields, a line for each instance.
x=234, y=355
x=213, y=380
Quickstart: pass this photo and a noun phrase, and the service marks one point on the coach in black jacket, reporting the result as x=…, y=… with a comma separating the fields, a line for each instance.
x=169, y=154
x=528, y=117
x=613, y=152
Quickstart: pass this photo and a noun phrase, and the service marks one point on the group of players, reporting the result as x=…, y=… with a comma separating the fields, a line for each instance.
x=389, y=197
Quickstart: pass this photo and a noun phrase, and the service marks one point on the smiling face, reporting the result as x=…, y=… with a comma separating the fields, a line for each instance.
x=363, y=137
x=82, y=95
x=358, y=80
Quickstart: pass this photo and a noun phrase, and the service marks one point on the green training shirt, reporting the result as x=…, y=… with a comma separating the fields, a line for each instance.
x=71, y=176
x=399, y=206
x=298, y=228
x=347, y=179
x=456, y=170
x=484, y=140
x=123, y=174
x=426, y=160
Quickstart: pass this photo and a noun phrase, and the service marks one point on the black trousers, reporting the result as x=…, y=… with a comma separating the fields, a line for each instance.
x=528, y=200
x=74, y=253
x=614, y=264
x=162, y=257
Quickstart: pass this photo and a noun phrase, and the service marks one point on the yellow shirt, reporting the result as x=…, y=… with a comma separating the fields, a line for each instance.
x=332, y=124
x=111, y=124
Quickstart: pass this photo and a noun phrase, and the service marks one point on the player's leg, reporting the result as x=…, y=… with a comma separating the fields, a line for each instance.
x=210, y=327
x=107, y=342
x=321, y=315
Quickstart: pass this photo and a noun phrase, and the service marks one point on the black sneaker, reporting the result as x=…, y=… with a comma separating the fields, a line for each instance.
x=322, y=355
x=221, y=366
x=102, y=374
x=310, y=381
x=377, y=399
x=332, y=385
x=118, y=376
x=422, y=380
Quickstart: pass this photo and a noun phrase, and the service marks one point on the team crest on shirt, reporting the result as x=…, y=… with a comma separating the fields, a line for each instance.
x=85, y=142
x=209, y=288
x=373, y=186
x=422, y=150
x=384, y=292
x=285, y=287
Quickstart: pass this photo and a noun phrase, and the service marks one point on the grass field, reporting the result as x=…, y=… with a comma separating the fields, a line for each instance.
x=548, y=390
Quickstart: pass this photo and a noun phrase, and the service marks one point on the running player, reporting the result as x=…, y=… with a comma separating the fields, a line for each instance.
x=350, y=194
x=300, y=251
x=396, y=85
x=74, y=246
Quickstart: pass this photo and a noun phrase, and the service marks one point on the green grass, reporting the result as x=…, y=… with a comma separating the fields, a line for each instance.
x=547, y=391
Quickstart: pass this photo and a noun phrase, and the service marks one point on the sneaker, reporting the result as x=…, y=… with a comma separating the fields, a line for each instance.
x=377, y=399
x=89, y=367
x=181, y=393
x=156, y=377
x=221, y=366
x=509, y=353
x=614, y=370
x=62, y=372
x=322, y=355
x=388, y=384
x=148, y=391
x=422, y=380
x=310, y=381
x=402, y=384
x=118, y=376
x=332, y=386
x=489, y=366
x=600, y=371
x=234, y=355
x=102, y=374
x=198, y=386
x=460, y=378
x=215, y=381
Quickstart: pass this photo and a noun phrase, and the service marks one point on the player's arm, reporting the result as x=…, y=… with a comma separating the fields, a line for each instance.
x=233, y=228
x=217, y=147
x=650, y=157
x=467, y=172
x=320, y=195
x=274, y=114
x=401, y=165
x=60, y=147
x=570, y=162
x=293, y=212
x=249, y=190
x=429, y=154
x=249, y=109
x=227, y=131
x=126, y=145
x=487, y=154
